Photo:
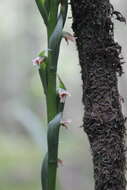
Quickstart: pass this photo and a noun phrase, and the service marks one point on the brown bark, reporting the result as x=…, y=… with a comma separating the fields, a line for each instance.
x=100, y=61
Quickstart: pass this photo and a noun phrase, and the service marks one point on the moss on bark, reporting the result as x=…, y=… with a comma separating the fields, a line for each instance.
x=101, y=62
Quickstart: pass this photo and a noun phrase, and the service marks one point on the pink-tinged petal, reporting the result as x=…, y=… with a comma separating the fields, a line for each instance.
x=60, y=162
x=63, y=94
x=37, y=61
x=121, y=99
x=69, y=37
x=65, y=123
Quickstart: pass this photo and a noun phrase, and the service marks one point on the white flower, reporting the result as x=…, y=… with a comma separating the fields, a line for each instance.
x=60, y=162
x=38, y=61
x=63, y=94
x=69, y=37
x=65, y=123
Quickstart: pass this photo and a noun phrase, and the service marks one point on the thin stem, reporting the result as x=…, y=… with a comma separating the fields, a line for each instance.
x=54, y=22
x=51, y=96
x=52, y=167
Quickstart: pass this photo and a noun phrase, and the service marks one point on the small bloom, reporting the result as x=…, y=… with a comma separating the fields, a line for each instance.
x=69, y=37
x=121, y=99
x=60, y=162
x=65, y=123
x=63, y=94
x=38, y=61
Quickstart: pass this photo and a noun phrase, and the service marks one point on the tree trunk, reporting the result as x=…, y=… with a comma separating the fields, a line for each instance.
x=101, y=62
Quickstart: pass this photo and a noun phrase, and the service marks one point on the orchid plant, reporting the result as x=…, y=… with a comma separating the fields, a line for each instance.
x=54, y=13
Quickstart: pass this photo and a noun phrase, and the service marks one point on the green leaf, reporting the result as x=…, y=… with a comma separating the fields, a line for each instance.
x=64, y=9
x=53, y=138
x=43, y=76
x=43, y=11
x=54, y=44
x=42, y=54
x=61, y=83
x=44, y=173
x=53, y=135
x=43, y=71
x=56, y=35
x=48, y=172
x=55, y=38
x=47, y=5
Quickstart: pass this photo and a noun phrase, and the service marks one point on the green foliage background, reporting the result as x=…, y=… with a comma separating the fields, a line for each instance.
x=22, y=102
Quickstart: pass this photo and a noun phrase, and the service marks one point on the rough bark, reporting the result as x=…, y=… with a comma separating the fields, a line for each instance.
x=101, y=62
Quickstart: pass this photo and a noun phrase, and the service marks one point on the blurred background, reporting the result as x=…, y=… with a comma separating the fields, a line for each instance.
x=22, y=101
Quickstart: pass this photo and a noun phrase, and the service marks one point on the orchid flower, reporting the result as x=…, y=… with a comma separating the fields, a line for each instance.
x=63, y=94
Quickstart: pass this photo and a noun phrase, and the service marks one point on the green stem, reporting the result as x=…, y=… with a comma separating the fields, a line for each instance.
x=52, y=20
x=51, y=72
x=52, y=168
x=51, y=95
x=48, y=74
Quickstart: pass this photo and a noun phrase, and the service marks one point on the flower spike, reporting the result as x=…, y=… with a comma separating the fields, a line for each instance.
x=54, y=13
